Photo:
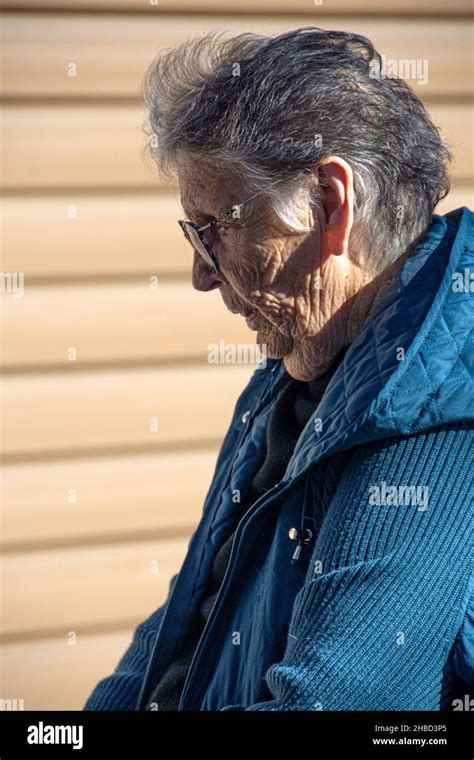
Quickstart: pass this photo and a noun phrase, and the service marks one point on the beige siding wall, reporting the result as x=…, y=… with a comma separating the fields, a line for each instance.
x=112, y=417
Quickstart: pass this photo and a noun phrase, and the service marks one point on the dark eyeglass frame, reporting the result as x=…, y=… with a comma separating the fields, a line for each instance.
x=193, y=232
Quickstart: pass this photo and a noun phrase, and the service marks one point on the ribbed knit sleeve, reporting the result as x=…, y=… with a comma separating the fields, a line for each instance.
x=120, y=690
x=385, y=593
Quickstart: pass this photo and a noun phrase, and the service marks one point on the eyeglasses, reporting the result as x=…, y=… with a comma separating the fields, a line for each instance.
x=194, y=232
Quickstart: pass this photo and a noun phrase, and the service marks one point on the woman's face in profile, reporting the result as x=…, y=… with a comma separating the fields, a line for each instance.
x=276, y=278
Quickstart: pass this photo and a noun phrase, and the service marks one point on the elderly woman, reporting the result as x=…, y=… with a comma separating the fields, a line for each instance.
x=331, y=568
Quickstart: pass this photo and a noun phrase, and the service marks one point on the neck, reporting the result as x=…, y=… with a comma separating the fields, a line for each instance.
x=313, y=357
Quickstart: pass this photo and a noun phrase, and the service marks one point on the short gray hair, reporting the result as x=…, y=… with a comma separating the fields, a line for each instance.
x=266, y=108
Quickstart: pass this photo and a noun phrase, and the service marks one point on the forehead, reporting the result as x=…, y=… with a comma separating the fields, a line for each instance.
x=207, y=194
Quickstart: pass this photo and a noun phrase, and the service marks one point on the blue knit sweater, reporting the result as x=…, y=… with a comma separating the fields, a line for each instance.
x=377, y=612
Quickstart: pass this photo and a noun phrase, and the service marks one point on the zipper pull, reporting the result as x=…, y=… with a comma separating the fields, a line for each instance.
x=303, y=535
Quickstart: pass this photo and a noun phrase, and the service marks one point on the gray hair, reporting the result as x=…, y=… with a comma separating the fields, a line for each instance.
x=266, y=108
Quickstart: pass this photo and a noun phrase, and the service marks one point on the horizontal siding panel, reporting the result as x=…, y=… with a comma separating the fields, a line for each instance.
x=112, y=53
x=111, y=235
x=63, y=590
x=115, y=322
x=99, y=235
x=74, y=146
x=65, y=412
x=106, y=498
x=51, y=674
x=77, y=146
x=457, y=197
x=430, y=7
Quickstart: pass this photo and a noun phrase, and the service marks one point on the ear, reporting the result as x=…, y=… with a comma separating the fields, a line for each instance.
x=335, y=180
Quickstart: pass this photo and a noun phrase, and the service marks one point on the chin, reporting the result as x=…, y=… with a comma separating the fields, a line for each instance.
x=278, y=346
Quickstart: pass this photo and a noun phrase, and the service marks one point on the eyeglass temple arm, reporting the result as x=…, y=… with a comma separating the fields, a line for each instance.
x=239, y=205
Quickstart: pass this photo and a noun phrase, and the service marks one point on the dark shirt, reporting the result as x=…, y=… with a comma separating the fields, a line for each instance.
x=291, y=411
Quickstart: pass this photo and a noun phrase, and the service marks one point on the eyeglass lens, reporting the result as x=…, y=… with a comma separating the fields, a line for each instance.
x=197, y=243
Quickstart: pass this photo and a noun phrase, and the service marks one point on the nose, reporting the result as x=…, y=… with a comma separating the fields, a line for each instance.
x=203, y=277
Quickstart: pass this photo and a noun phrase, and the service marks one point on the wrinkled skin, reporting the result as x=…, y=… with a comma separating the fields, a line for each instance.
x=310, y=291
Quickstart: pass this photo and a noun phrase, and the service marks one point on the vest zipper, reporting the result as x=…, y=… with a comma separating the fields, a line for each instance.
x=244, y=519
x=240, y=438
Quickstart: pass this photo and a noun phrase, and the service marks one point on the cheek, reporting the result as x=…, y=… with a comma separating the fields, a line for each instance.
x=252, y=271
x=239, y=263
